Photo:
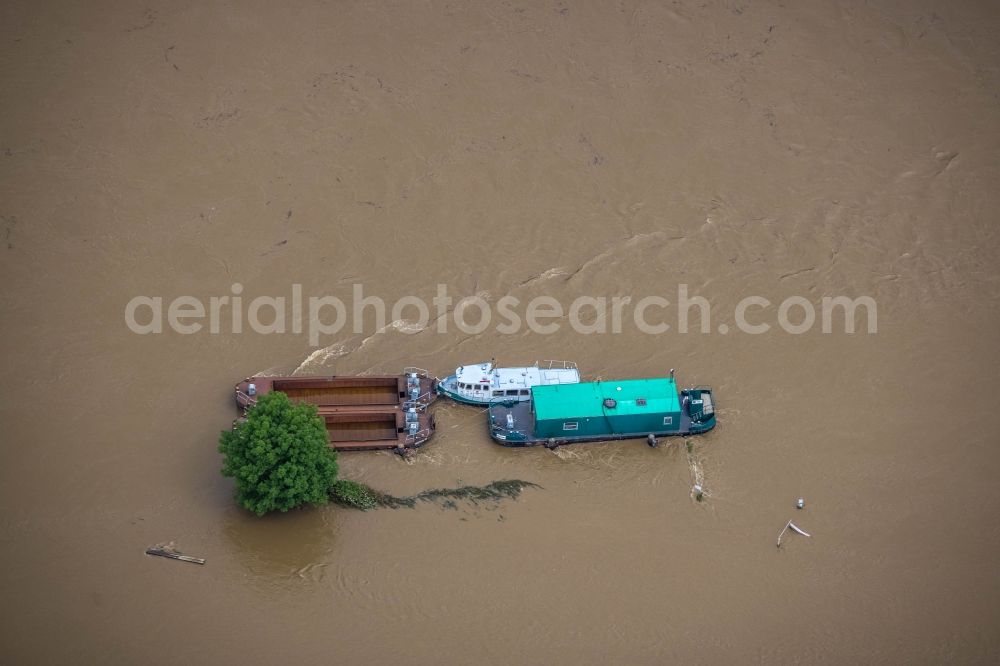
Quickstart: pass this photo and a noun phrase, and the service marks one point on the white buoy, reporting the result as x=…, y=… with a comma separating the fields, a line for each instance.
x=801, y=503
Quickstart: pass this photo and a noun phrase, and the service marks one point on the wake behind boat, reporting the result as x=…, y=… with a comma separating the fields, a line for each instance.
x=482, y=383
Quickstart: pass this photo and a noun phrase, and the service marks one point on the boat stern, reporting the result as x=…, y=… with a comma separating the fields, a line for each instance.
x=248, y=390
x=699, y=406
x=421, y=388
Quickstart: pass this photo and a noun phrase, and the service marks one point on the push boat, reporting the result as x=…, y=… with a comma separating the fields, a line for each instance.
x=369, y=413
x=603, y=410
x=483, y=383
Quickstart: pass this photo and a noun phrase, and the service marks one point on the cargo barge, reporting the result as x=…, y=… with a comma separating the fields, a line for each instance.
x=362, y=413
x=375, y=428
x=603, y=410
x=415, y=387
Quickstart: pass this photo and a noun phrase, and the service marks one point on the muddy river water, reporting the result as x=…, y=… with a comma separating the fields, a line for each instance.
x=524, y=149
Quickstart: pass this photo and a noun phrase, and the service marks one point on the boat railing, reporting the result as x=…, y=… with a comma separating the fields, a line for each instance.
x=411, y=370
x=556, y=365
x=249, y=400
x=494, y=402
x=708, y=404
x=419, y=402
x=417, y=437
x=496, y=425
x=502, y=400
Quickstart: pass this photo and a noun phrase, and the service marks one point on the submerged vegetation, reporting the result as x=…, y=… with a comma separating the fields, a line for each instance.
x=279, y=456
x=359, y=496
x=356, y=495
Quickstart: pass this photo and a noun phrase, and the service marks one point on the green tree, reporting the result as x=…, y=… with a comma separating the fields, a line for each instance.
x=279, y=456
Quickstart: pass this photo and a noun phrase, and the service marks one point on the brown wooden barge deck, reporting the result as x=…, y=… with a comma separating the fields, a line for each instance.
x=342, y=391
x=366, y=413
x=373, y=428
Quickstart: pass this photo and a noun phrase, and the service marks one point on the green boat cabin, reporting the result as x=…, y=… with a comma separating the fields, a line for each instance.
x=606, y=408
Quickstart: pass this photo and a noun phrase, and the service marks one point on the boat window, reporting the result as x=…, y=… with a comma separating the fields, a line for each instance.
x=483, y=387
x=668, y=420
x=497, y=394
x=640, y=402
x=571, y=425
x=461, y=386
x=525, y=392
x=512, y=392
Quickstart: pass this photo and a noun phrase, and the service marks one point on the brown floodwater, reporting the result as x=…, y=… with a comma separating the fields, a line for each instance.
x=511, y=148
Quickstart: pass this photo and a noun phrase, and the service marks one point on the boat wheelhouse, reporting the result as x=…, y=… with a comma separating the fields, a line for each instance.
x=483, y=383
x=603, y=410
x=364, y=413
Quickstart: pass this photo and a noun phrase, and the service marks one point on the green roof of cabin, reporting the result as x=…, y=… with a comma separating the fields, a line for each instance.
x=586, y=399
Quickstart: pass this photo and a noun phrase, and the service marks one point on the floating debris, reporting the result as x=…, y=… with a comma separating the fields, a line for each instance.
x=800, y=531
x=167, y=550
x=794, y=527
x=697, y=475
x=801, y=504
x=491, y=492
x=359, y=496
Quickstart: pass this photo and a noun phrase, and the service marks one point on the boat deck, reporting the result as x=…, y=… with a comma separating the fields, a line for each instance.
x=339, y=391
x=482, y=383
x=374, y=428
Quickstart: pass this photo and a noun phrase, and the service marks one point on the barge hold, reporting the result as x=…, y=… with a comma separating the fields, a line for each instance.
x=375, y=428
x=362, y=413
x=603, y=410
x=483, y=383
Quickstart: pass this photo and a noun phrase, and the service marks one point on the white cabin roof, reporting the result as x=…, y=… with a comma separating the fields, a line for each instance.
x=510, y=378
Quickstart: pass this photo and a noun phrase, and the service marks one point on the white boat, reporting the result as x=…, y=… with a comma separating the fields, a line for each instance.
x=483, y=383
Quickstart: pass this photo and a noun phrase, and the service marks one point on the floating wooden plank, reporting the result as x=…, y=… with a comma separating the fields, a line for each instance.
x=798, y=529
x=161, y=551
x=795, y=528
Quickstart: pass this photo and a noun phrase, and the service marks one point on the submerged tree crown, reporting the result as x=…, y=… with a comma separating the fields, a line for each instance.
x=279, y=456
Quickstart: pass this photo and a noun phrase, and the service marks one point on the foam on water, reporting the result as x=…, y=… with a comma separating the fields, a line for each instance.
x=319, y=357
